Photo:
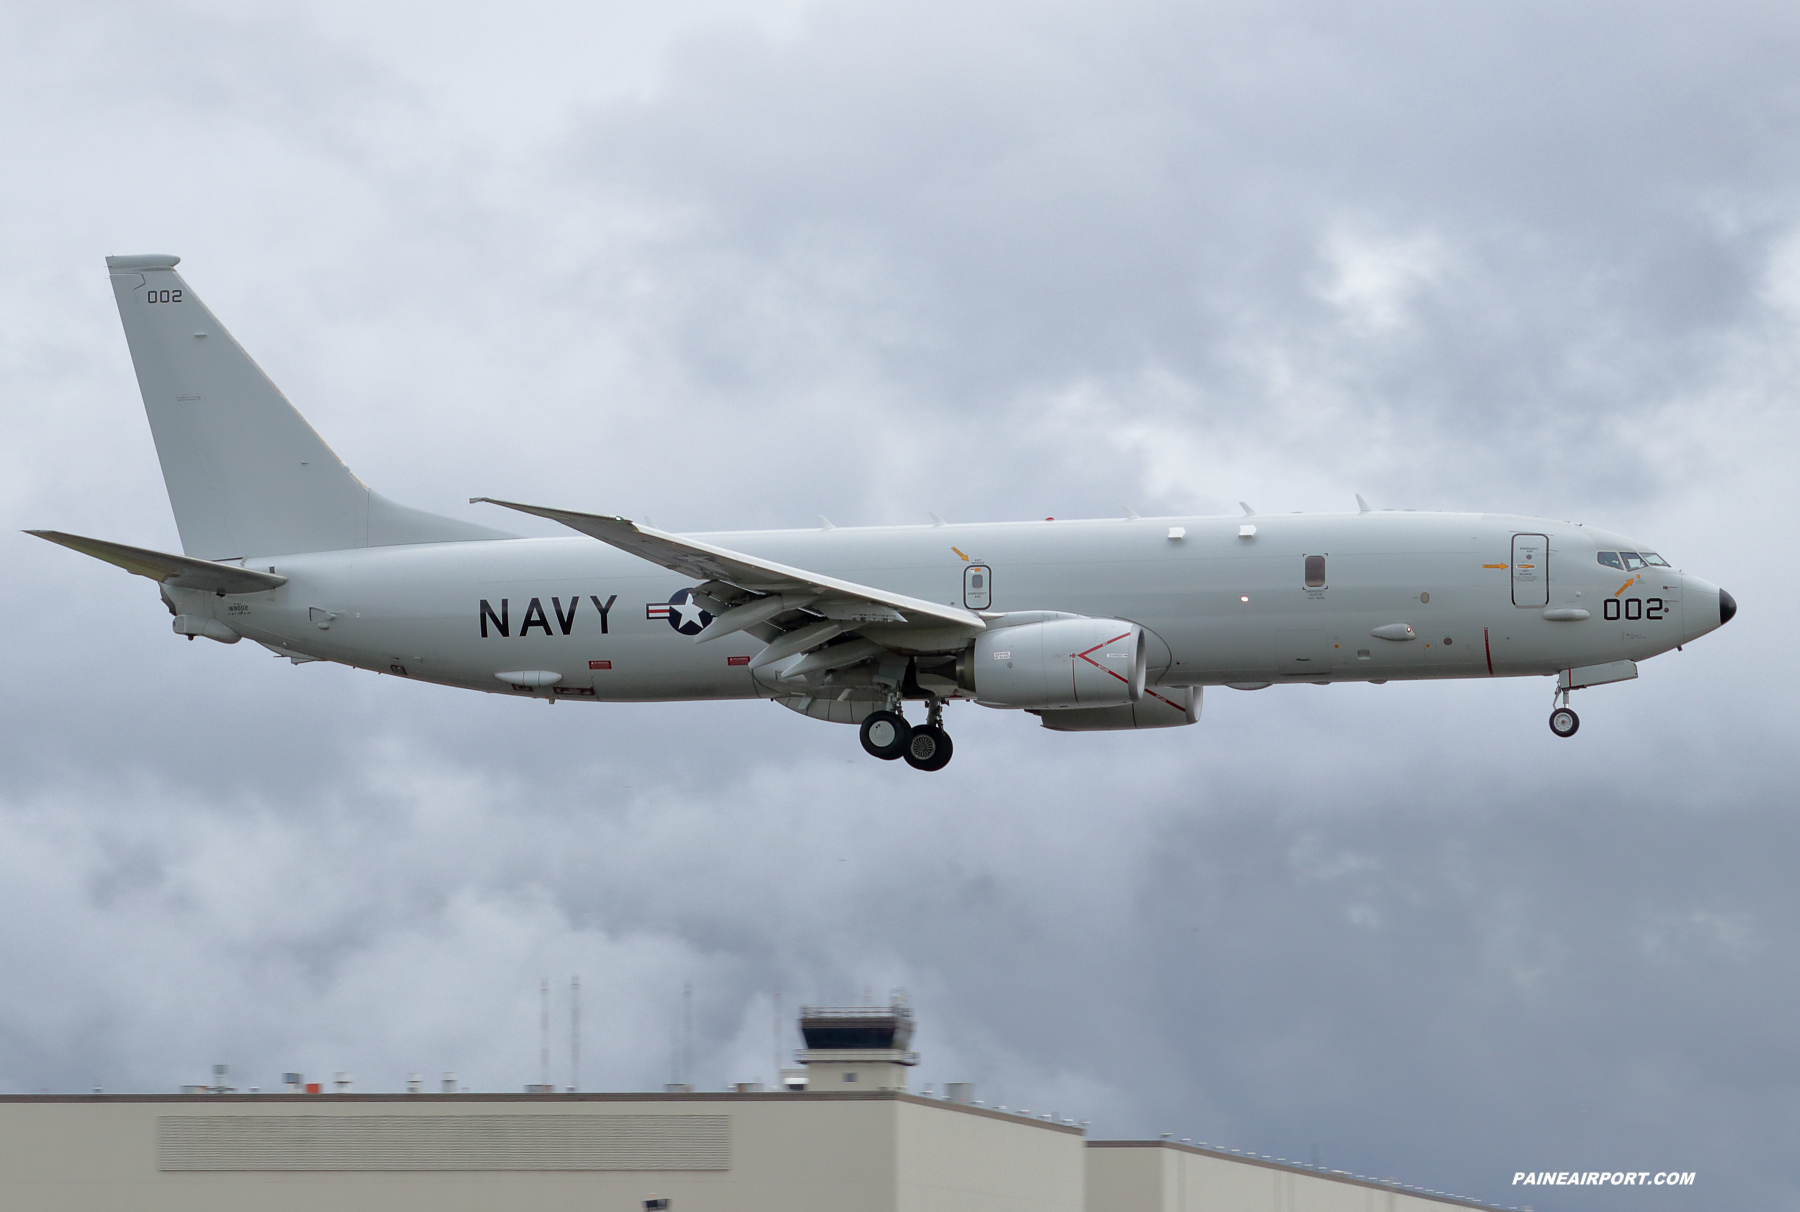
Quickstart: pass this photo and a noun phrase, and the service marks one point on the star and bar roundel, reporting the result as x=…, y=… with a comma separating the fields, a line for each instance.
x=683, y=613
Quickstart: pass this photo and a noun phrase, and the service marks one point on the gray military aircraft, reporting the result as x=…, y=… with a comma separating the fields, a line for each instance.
x=1089, y=625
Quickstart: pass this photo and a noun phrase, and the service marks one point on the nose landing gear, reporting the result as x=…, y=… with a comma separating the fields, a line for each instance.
x=1563, y=720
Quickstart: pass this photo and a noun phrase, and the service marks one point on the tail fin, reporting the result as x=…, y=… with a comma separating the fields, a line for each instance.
x=246, y=474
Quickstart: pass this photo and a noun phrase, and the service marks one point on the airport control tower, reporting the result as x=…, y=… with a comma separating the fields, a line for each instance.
x=857, y=1047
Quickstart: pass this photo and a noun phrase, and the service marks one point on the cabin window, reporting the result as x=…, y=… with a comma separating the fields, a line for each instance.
x=1633, y=561
x=1315, y=572
x=1610, y=559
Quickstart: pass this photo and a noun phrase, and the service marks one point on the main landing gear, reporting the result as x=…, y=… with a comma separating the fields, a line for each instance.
x=1563, y=720
x=887, y=735
x=884, y=734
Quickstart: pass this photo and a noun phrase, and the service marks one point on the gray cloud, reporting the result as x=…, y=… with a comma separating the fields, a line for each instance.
x=732, y=269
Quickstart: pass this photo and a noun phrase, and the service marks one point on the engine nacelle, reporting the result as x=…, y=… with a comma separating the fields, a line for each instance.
x=1161, y=707
x=1072, y=662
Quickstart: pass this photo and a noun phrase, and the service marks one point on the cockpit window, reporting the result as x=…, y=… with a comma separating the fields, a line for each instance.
x=1610, y=559
x=1650, y=557
x=1633, y=561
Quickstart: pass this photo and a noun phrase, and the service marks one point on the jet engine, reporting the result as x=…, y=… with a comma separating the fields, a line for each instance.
x=1067, y=662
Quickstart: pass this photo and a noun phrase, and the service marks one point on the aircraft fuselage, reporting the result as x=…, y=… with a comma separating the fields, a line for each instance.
x=1220, y=607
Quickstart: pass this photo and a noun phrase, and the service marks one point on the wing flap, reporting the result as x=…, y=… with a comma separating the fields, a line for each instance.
x=180, y=572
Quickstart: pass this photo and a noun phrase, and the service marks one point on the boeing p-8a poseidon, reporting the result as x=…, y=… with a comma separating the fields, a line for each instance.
x=1089, y=625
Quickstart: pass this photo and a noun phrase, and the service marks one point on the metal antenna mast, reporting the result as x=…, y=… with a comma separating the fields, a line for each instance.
x=544, y=1032
x=777, y=1037
x=574, y=1034
x=687, y=1032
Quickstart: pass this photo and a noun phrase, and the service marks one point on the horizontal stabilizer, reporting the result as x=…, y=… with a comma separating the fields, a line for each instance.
x=180, y=572
x=703, y=561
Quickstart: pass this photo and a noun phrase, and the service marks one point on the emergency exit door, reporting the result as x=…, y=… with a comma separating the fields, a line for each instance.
x=1531, y=570
x=978, y=587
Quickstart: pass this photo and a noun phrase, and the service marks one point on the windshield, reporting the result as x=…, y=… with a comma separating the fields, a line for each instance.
x=1630, y=561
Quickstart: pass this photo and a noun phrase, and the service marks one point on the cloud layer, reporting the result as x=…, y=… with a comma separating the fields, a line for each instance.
x=732, y=267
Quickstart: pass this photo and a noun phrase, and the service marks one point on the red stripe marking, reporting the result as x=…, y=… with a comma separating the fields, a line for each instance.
x=1103, y=669
x=1096, y=664
x=1489, y=649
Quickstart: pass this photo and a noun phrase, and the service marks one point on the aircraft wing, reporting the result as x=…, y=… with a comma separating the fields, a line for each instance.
x=843, y=601
x=181, y=572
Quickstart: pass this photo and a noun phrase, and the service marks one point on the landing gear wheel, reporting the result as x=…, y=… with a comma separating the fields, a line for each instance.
x=929, y=748
x=1564, y=722
x=885, y=734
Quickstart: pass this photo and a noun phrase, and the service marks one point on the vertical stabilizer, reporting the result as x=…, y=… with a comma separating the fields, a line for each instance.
x=246, y=474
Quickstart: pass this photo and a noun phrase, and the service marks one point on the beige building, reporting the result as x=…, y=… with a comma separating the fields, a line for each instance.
x=1161, y=1176
x=821, y=1151
x=845, y=1137
x=879, y=1151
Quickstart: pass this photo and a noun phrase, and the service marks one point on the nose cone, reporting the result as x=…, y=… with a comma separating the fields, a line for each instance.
x=1707, y=608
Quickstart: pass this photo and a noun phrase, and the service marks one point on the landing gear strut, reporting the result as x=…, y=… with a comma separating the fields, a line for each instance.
x=929, y=747
x=1563, y=720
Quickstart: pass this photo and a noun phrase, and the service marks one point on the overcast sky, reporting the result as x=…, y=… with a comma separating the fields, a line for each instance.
x=737, y=265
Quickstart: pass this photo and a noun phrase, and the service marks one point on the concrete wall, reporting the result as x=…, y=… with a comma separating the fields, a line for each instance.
x=1161, y=1176
x=793, y=1152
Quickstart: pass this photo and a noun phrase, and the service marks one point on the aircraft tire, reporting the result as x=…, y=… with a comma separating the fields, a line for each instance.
x=885, y=734
x=1564, y=722
x=929, y=748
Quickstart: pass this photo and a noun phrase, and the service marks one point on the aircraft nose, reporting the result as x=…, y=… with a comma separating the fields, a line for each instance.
x=1727, y=607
